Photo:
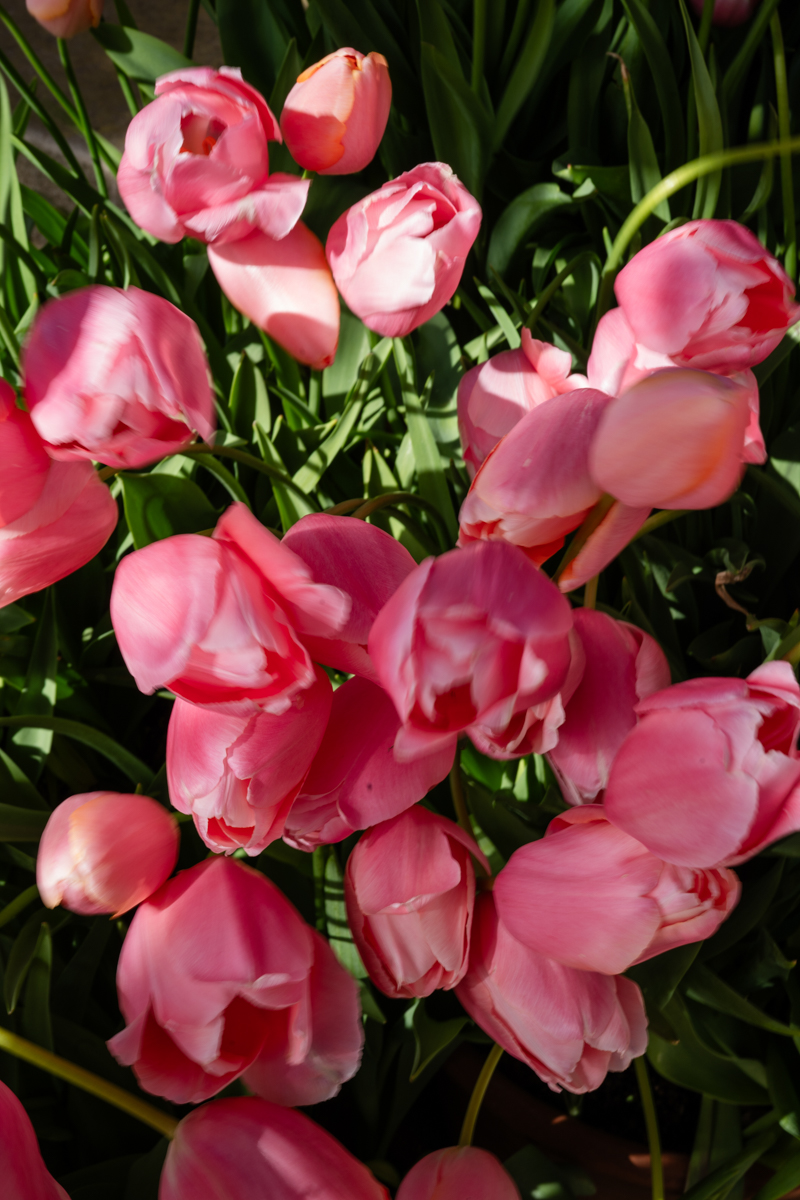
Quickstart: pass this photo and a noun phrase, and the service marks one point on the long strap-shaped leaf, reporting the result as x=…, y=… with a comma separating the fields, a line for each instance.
x=129, y=764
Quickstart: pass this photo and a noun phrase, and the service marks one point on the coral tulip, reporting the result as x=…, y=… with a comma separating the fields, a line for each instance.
x=103, y=852
x=65, y=18
x=24, y=1175
x=116, y=376
x=335, y=115
x=728, y=12
x=710, y=775
x=398, y=255
x=457, y=1172
x=196, y=161
x=410, y=892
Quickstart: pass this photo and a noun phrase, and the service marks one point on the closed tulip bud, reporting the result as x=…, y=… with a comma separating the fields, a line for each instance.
x=728, y=12
x=458, y=1172
x=24, y=1175
x=410, y=892
x=65, y=18
x=335, y=115
x=244, y=1147
x=103, y=852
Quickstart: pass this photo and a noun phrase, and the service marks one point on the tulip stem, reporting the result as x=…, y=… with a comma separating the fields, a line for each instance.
x=478, y=1092
x=651, y=1122
x=784, y=132
x=191, y=28
x=84, y=124
x=29, y=1052
x=658, y=519
x=478, y=43
x=459, y=799
x=590, y=592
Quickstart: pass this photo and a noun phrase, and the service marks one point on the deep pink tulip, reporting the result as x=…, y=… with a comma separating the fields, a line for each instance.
x=495, y=395
x=24, y=1175
x=216, y=967
x=244, y=1147
x=286, y=288
x=334, y=116
x=196, y=161
x=590, y=896
x=103, y=852
x=728, y=12
x=54, y=516
x=476, y=640
x=410, y=892
x=65, y=18
x=622, y=666
x=570, y=1027
x=218, y=620
x=398, y=255
x=355, y=779
x=119, y=377
x=238, y=776
x=710, y=775
x=458, y=1172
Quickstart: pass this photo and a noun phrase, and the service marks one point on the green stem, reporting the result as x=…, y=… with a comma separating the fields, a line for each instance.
x=478, y=1092
x=38, y=66
x=590, y=592
x=63, y=1069
x=704, y=32
x=191, y=28
x=126, y=87
x=517, y=29
x=459, y=799
x=658, y=519
x=591, y=521
x=247, y=460
x=478, y=44
x=8, y=336
x=84, y=123
x=651, y=1122
x=785, y=133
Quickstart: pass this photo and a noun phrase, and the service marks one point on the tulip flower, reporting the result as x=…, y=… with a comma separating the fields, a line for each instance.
x=495, y=395
x=710, y=775
x=65, y=18
x=410, y=892
x=238, y=776
x=285, y=287
x=335, y=115
x=244, y=1147
x=476, y=640
x=457, y=1172
x=24, y=1175
x=118, y=377
x=728, y=12
x=569, y=1026
x=591, y=897
x=398, y=255
x=102, y=852
x=355, y=779
x=54, y=516
x=218, y=620
x=216, y=967
x=196, y=161
x=623, y=665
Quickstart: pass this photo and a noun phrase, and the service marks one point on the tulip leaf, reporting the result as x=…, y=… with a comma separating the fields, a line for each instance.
x=144, y=1176
x=537, y=1176
x=782, y=1089
x=291, y=501
x=140, y=55
x=642, y=161
x=30, y=747
x=15, y=787
x=707, y=988
x=659, y=977
x=435, y=29
x=36, y=1024
x=128, y=763
x=341, y=375
x=430, y=1037
x=158, y=506
x=785, y=1179
x=286, y=78
x=21, y=824
x=520, y=220
x=12, y=618
x=338, y=929
x=249, y=400
x=719, y=1183
x=526, y=70
x=757, y=895
x=252, y=39
x=709, y=123
x=26, y=945
x=460, y=125
x=666, y=85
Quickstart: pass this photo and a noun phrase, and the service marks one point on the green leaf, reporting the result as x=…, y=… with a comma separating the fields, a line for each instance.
x=158, y=506
x=434, y=28
x=140, y=55
x=526, y=70
x=707, y=988
x=21, y=824
x=432, y=483
x=339, y=935
x=659, y=977
x=30, y=747
x=292, y=503
x=460, y=125
x=18, y=904
x=12, y=618
x=692, y=1064
x=15, y=787
x=666, y=85
x=254, y=40
x=718, y=1184
x=520, y=220
x=36, y=1023
x=430, y=1037
x=11, y=213
x=709, y=123
x=22, y=954
x=783, y=1181
x=645, y=172
x=128, y=763
x=290, y=68
x=341, y=375
x=249, y=400
x=536, y=1176
x=74, y=985
x=782, y=1090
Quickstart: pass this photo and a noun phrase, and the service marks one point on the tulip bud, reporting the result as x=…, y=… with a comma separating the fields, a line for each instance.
x=335, y=115
x=458, y=1172
x=102, y=852
x=24, y=1175
x=65, y=18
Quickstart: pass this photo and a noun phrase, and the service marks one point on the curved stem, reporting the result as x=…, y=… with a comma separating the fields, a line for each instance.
x=590, y=592
x=785, y=132
x=72, y=1073
x=651, y=1122
x=478, y=1092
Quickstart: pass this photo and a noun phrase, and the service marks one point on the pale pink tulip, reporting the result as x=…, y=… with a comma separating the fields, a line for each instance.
x=571, y=1027
x=119, y=377
x=285, y=287
x=54, y=516
x=196, y=161
x=710, y=775
x=478, y=641
x=591, y=897
x=245, y=1147
x=65, y=18
x=103, y=852
x=458, y=1172
x=335, y=115
x=728, y=12
x=238, y=776
x=24, y=1175
x=410, y=892
x=398, y=255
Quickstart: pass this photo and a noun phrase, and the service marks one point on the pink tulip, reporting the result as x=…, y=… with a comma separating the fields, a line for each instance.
x=103, y=852
x=24, y=1175
x=238, y=776
x=410, y=892
x=215, y=968
x=398, y=255
x=728, y=12
x=218, y=620
x=117, y=377
x=285, y=287
x=65, y=18
x=244, y=1147
x=570, y=1027
x=54, y=516
x=623, y=665
x=355, y=779
x=495, y=395
x=196, y=161
x=479, y=641
x=335, y=115
x=711, y=775
x=458, y=1172
x=591, y=897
